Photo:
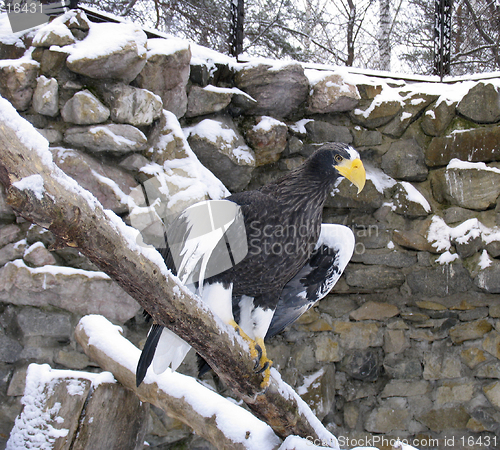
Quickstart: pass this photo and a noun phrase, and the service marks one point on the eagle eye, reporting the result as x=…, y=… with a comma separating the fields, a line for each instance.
x=338, y=158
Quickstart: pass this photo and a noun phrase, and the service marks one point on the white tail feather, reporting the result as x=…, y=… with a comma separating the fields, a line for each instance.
x=170, y=351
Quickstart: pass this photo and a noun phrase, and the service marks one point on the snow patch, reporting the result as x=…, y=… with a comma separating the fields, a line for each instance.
x=309, y=382
x=484, y=260
x=106, y=38
x=233, y=91
x=267, y=123
x=414, y=195
x=440, y=235
x=33, y=183
x=466, y=165
x=159, y=46
x=447, y=257
x=58, y=270
x=300, y=126
x=380, y=180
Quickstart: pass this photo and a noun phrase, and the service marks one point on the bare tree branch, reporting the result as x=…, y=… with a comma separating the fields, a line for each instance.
x=482, y=32
x=72, y=214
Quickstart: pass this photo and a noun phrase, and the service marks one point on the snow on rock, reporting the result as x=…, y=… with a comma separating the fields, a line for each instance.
x=300, y=126
x=380, y=180
x=447, y=257
x=215, y=132
x=110, y=50
x=456, y=163
x=298, y=443
x=54, y=33
x=237, y=424
x=442, y=237
x=414, y=195
x=266, y=123
x=157, y=47
x=39, y=425
x=175, y=180
x=330, y=92
x=484, y=260
x=310, y=381
x=18, y=81
x=222, y=149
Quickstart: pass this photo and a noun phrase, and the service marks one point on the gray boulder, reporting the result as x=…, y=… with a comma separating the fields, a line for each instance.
x=332, y=94
x=107, y=183
x=437, y=118
x=346, y=196
x=132, y=105
x=45, y=97
x=475, y=144
x=207, y=100
x=222, y=150
x=267, y=139
x=166, y=73
x=74, y=290
x=466, y=186
x=373, y=277
x=439, y=281
x=37, y=256
x=18, y=82
x=122, y=58
x=107, y=138
x=409, y=202
x=319, y=132
x=366, y=138
x=53, y=64
x=481, y=104
x=84, y=108
x=405, y=160
x=278, y=92
x=488, y=279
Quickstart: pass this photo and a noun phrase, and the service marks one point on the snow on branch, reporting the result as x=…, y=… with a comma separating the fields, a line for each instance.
x=210, y=415
x=56, y=202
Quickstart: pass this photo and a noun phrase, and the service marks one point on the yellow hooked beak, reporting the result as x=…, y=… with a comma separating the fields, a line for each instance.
x=354, y=171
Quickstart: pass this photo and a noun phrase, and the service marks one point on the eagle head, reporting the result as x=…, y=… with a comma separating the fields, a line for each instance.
x=333, y=160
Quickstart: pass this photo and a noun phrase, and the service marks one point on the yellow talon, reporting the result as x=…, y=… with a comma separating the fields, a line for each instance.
x=265, y=363
x=257, y=352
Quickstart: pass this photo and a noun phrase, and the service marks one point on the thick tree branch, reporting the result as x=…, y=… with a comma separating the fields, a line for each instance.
x=43, y=194
x=104, y=344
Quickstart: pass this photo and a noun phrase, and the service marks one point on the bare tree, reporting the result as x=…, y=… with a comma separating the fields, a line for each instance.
x=384, y=37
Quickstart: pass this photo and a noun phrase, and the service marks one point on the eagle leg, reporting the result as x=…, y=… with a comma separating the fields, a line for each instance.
x=257, y=352
x=253, y=351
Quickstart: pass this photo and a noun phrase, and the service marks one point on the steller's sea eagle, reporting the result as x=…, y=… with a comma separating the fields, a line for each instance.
x=259, y=258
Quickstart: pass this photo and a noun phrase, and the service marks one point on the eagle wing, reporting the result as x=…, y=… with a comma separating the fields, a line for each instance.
x=317, y=277
x=203, y=241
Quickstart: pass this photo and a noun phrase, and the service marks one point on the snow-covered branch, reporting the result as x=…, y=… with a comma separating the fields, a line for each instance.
x=41, y=193
x=211, y=416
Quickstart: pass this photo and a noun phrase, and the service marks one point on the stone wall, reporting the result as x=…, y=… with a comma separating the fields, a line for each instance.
x=406, y=345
